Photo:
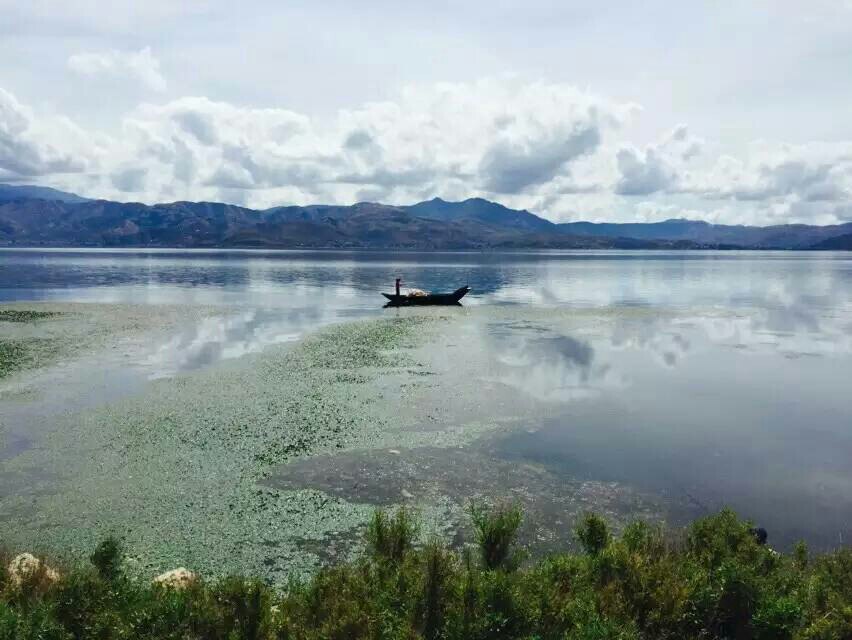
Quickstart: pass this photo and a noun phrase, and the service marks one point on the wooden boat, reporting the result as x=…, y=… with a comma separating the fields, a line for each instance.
x=418, y=299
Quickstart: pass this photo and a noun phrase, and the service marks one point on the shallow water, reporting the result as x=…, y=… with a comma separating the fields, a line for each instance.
x=707, y=377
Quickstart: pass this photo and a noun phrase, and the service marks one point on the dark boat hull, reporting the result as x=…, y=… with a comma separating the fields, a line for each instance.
x=446, y=299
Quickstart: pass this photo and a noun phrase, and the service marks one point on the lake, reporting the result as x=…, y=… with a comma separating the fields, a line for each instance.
x=704, y=378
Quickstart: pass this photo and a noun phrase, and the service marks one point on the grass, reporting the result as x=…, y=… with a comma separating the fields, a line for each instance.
x=714, y=581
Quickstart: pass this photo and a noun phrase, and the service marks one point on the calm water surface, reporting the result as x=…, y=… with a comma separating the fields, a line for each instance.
x=723, y=377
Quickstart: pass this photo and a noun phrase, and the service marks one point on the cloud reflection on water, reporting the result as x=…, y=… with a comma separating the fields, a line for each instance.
x=706, y=406
x=301, y=309
x=541, y=363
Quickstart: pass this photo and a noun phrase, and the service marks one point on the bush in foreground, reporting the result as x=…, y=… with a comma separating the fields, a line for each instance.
x=715, y=581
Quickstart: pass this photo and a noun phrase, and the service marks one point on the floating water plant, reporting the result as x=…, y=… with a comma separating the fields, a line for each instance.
x=179, y=467
x=16, y=355
x=26, y=315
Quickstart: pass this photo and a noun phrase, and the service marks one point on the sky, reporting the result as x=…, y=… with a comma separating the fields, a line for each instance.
x=728, y=111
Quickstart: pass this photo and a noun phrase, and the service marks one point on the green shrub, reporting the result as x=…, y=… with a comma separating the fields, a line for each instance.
x=496, y=532
x=715, y=539
x=390, y=538
x=777, y=618
x=438, y=570
x=37, y=623
x=800, y=555
x=79, y=600
x=593, y=534
x=107, y=558
x=717, y=584
x=242, y=608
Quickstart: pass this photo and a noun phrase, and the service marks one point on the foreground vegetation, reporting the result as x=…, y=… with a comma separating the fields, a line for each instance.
x=714, y=581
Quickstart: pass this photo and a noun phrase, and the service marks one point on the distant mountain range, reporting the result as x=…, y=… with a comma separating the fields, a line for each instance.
x=39, y=216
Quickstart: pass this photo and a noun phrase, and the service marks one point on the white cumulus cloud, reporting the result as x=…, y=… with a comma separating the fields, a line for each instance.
x=658, y=167
x=544, y=146
x=25, y=147
x=492, y=137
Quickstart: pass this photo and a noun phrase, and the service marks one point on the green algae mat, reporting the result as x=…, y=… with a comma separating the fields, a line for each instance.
x=26, y=315
x=272, y=463
x=175, y=471
x=25, y=352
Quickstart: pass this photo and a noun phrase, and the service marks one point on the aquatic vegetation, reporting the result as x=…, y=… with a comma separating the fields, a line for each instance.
x=179, y=467
x=714, y=581
x=26, y=315
x=257, y=465
x=16, y=355
x=41, y=334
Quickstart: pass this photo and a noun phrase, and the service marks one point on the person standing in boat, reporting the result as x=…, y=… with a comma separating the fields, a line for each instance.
x=398, y=280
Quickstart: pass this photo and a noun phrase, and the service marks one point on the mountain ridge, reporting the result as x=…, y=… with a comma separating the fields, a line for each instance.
x=40, y=216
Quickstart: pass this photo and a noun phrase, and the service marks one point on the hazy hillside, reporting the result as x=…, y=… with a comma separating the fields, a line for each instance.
x=489, y=213
x=836, y=243
x=791, y=236
x=38, y=216
x=29, y=192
